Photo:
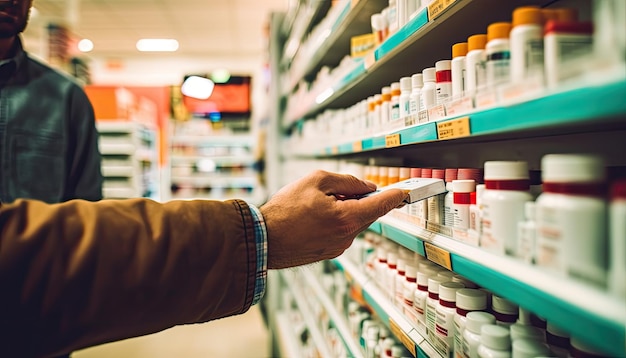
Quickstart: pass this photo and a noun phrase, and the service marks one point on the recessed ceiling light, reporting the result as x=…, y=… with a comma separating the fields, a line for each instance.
x=157, y=45
x=85, y=45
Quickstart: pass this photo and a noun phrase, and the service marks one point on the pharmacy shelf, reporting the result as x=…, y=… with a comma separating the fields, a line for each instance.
x=212, y=141
x=306, y=18
x=118, y=171
x=216, y=182
x=532, y=117
x=352, y=20
x=308, y=316
x=288, y=343
x=415, y=46
x=563, y=301
x=386, y=311
x=337, y=320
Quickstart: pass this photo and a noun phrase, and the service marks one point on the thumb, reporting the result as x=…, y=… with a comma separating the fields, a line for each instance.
x=375, y=206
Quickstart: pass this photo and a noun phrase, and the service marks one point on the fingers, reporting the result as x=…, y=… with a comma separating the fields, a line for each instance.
x=343, y=185
x=372, y=207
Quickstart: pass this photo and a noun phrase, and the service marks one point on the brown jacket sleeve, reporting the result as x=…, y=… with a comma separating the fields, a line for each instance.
x=80, y=273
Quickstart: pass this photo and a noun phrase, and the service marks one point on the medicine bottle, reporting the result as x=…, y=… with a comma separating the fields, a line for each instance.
x=431, y=302
x=528, y=348
x=581, y=350
x=399, y=281
x=412, y=209
x=385, y=106
x=467, y=300
x=405, y=97
x=448, y=201
x=497, y=51
x=392, y=17
x=436, y=203
x=383, y=176
x=405, y=173
x=443, y=79
x=390, y=274
x=444, y=325
x=416, y=89
x=523, y=328
x=571, y=217
x=617, y=233
x=429, y=91
x=462, y=190
x=408, y=292
x=420, y=296
x=506, y=192
x=526, y=234
x=475, y=212
x=378, y=101
x=495, y=342
x=564, y=42
x=393, y=175
x=422, y=205
x=459, y=51
x=558, y=340
x=526, y=42
x=475, y=76
x=379, y=27
x=395, y=101
x=506, y=312
x=471, y=336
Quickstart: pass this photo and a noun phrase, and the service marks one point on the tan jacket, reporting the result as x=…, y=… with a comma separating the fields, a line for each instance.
x=80, y=273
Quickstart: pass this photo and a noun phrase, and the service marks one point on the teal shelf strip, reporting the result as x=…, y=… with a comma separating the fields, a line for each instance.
x=346, y=148
x=376, y=227
x=407, y=240
x=342, y=16
x=573, y=106
x=351, y=77
x=422, y=133
x=402, y=34
x=602, y=334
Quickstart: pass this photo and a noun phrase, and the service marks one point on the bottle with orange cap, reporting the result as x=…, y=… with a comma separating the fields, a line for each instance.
x=475, y=63
x=526, y=41
x=498, y=53
x=459, y=51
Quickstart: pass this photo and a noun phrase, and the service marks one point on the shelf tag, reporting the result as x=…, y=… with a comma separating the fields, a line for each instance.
x=438, y=255
x=410, y=120
x=456, y=128
x=392, y=140
x=357, y=146
x=403, y=337
x=423, y=116
x=459, y=106
x=437, y=112
x=436, y=8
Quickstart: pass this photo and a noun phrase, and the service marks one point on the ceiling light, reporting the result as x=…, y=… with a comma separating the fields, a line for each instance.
x=197, y=87
x=220, y=75
x=85, y=45
x=157, y=45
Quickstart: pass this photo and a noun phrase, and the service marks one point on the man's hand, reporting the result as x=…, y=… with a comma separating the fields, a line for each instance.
x=315, y=218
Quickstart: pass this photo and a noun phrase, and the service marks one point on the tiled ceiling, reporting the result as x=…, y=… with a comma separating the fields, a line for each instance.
x=225, y=28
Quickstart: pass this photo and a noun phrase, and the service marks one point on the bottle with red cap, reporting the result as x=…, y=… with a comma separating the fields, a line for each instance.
x=443, y=79
x=617, y=232
x=571, y=217
x=507, y=187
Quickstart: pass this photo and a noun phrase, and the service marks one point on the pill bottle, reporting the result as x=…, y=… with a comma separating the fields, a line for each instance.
x=448, y=201
x=399, y=281
x=446, y=309
x=462, y=190
x=506, y=312
x=528, y=348
x=422, y=205
x=617, y=234
x=471, y=335
x=475, y=211
x=385, y=106
x=581, y=350
x=394, y=113
x=420, y=296
x=429, y=91
x=459, y=50
x=431, y=302
x=571, y=217
x=526, y=40
x=379, y=27
x=467, y=300
x=506, y=192
x=443, y=78
x=495, y=342
x=416, y=89
x=497, y=52
x=405, y=97
x=565, y=42
x=408, y=292
x=526, y=234
x=393, y=175
x=475, y=76
x=436, y=203
x=558, y=340
x=404, y=174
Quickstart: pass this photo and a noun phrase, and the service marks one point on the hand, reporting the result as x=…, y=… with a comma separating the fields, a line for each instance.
x=314, y=218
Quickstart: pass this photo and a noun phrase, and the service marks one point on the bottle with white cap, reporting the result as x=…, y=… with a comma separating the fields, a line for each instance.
x=432, y=301
x=385, y=106
x=526, y=234
x=429, y=91
x=523, y=329
x=571, y=217
x=405, y=97
x=528, y=348
x=507, y=185
x=498, y=54
x=495, y=342
x=408, y=293
x=444, y=326
x=391, y=273
x=462, y=190
x=526, y=40
x=475, y=76
x=471, y=335
x=506, y=312
x=420, y=295
x=443, y=78
x=558, y=340
x=467, y=300
x=416, y=89
x=617, y=230
x=459, y=50
x=399, y=281
x=396, y=92
x=580, y=349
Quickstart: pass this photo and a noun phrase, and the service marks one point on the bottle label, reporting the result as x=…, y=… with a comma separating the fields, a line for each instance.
x=550, y=250
x=395, y=111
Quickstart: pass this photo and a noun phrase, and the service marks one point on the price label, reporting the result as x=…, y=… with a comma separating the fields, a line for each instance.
x=459, y=106
x=370, y=60
x=437, y=7
x=423, y=116
x=403, y=337
x=392, y=140
x=455, y=128
x=410, y=120
x=438, y=255
x=357, y=146
x=437, y=112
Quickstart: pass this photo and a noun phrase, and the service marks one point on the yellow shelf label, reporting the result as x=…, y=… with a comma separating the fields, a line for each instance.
x=334, y=150
x=438, y=255
x=403, y=337
x=392, y=140
x=437, y=7
x=357, y=146
x=455, y=128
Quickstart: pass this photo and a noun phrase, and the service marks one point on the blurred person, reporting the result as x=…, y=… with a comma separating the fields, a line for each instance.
x=81, y=273
x=48, y=139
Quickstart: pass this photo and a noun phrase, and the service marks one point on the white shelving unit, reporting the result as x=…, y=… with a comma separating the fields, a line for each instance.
x=586, y=118
x=129, y=159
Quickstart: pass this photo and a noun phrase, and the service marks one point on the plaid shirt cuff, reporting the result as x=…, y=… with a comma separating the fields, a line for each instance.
x=260, y=234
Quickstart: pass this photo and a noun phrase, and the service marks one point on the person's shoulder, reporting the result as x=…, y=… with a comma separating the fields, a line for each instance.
x=39, y=66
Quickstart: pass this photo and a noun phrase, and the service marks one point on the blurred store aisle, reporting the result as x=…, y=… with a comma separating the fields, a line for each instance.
x=233, y=337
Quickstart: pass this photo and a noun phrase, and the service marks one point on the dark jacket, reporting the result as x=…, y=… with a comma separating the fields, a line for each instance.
x=48, y=140
x=81, y=273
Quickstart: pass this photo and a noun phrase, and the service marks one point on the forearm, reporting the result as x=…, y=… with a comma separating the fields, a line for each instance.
x=79, y=273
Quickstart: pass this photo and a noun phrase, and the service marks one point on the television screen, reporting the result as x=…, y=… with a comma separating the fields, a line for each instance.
x=229, y=99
